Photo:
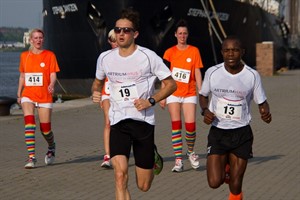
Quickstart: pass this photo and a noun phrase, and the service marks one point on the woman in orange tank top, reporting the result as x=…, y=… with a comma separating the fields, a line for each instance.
x=185, y=63
x=105, y=104
x=38, y=68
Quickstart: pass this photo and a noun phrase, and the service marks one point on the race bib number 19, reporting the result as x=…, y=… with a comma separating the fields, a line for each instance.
x=124, y=92
x=34, y=79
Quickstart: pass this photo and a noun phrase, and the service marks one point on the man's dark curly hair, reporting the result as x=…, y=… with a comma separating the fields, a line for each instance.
x=236, y=38
x=133, y=16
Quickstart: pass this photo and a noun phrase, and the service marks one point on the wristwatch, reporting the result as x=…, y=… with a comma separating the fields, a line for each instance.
x=152, y=101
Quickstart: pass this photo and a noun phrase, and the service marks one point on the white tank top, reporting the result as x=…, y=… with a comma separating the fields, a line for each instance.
x=231, y=95
x=130, y=78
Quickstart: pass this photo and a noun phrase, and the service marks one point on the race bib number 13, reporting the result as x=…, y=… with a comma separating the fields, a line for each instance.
x=34, y=79
x=229, y=109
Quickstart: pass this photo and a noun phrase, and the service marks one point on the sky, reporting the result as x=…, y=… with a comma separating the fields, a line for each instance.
x=21, y=13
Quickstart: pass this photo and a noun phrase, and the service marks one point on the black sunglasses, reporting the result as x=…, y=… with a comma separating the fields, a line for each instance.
x=124, y=29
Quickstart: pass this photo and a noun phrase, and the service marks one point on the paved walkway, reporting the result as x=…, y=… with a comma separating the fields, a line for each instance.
x=273, y=174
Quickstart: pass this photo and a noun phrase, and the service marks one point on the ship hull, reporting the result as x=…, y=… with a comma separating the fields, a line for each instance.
x=76, y=31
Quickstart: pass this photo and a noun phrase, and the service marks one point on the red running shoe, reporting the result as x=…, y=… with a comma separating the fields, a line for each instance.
x=227, y=174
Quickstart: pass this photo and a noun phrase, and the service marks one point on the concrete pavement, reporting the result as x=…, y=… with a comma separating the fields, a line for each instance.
x=273, y=173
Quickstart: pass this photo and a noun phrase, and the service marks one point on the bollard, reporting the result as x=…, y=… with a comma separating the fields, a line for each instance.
x=5, y=104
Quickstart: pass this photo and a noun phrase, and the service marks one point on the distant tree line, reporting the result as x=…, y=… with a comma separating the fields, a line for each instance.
x=8, y=34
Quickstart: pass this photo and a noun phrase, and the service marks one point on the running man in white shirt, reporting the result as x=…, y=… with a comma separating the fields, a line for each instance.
x=232, y=86
x=132, y=71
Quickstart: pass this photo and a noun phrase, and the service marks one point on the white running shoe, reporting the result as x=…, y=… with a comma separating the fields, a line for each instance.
x=178, y=166
x=50, y=156
x=194, y=160
x=30, y=163
x=106, y=163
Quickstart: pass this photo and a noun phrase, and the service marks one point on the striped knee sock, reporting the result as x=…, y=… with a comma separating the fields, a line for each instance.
x=190, y=136
x=30, y=134
x=176, y=139
x=47, y=133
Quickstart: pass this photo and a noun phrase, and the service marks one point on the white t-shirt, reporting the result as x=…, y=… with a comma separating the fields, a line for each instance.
x=231, y=95
x=130, y=78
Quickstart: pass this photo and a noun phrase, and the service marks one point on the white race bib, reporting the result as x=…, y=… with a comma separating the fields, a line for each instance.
x=227, y=109
x=106, y=87
x=33, y=79
x=124, y=92
x=181, y=75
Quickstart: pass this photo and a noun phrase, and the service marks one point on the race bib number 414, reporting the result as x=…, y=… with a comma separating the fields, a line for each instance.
x=33, y=79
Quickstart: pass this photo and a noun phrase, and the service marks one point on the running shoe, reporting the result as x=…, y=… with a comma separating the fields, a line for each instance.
x=227, y=174
x=30, y=163
x=50, y=156
x=194, y=160
x=158, y=162
x=178, y=166
x=106, y=163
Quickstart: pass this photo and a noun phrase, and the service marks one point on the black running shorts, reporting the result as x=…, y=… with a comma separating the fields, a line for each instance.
x=237, y=141
x=139, y=135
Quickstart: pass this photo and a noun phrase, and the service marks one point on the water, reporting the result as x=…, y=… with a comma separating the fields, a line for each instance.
x=9, y=73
